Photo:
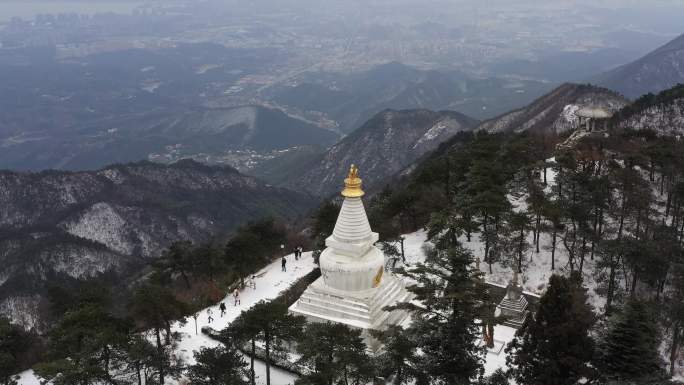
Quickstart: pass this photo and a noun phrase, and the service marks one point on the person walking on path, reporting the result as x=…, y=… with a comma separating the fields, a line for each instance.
x=236, y=297
x=222, y=307
x=301, y=250
x=252, y=282
x=283, y=264
x=209, y=315
x=296, y=253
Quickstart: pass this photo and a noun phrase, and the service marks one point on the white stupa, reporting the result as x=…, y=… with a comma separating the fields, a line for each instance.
x=353, y=288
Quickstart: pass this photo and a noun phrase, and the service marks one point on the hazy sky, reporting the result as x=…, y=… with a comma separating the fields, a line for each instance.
x=653, y=16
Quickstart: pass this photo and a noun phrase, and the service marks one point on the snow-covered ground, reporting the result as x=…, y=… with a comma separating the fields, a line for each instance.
x=270, y=282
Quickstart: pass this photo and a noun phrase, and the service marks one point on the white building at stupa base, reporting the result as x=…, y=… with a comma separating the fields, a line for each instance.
x=353, y=288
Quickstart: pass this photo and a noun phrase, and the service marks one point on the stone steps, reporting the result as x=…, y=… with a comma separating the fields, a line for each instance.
x=332, y=311
x=313, y=293
x=517, y=322
x=387, y=297
x=391, y=318
x=391, y=297
x=320, y=303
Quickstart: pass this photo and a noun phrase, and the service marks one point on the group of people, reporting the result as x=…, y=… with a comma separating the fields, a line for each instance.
x=236, y=299
x=252, y=283
x=298, y=252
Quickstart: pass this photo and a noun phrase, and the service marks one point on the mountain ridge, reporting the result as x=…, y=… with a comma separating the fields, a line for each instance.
x=658, y=70
x=554, y=111
x=383, y=146
x=351, y=99
x=662, y=113
x=60, y=226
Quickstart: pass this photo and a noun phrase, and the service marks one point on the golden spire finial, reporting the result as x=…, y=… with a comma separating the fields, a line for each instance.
x=352, y=184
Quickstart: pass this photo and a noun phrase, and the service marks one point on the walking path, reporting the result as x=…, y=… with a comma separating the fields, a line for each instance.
x=270, y=282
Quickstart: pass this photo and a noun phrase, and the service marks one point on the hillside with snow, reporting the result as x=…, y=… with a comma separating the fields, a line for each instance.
x=657, y=71
x=383, y=146
x=61, y=226
x=663, y=118
x=554, y=113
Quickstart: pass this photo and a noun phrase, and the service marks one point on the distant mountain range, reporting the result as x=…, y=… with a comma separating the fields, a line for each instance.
x=202, y=100
x=383, y=146
x=350, y=100
x=555, y=111
x=56, y=227
x=90, y=111
x=60, y=226
x=164, y=133
x=655, y=72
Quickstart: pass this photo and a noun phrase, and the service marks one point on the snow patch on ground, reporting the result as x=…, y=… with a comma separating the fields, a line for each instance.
x=432, y=133
x=101, y=223
x=21, y=310
x=80, y=263
x=113, y=175
x=569, y=114
x=28, y=377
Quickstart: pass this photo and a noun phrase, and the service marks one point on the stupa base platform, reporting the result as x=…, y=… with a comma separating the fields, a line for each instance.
x=513, y=306
x=358, y=309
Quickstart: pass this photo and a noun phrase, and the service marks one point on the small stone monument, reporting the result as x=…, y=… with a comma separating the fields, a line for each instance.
x=513, y=307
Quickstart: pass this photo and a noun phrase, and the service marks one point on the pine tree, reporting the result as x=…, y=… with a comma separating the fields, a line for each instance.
x=220, y=365
x=336, y=354
x=536, y=200
x=209, y=261
x=244, y=329
x=554, y=215
x=141, y=359
x=489, y=200
x=609, y=257
x=515, y=244
x=254, y=245
x=499, y=377
x=177, y=260
x=87, y=344
x=271, y=324
x=554, y=347
x=638, y=255
x=674, y=313
x=155, y=307
x=399, y=358
x=449, y=290
x=7, y=367
x=240, y=253
x=629, y=350
x=12, y=343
